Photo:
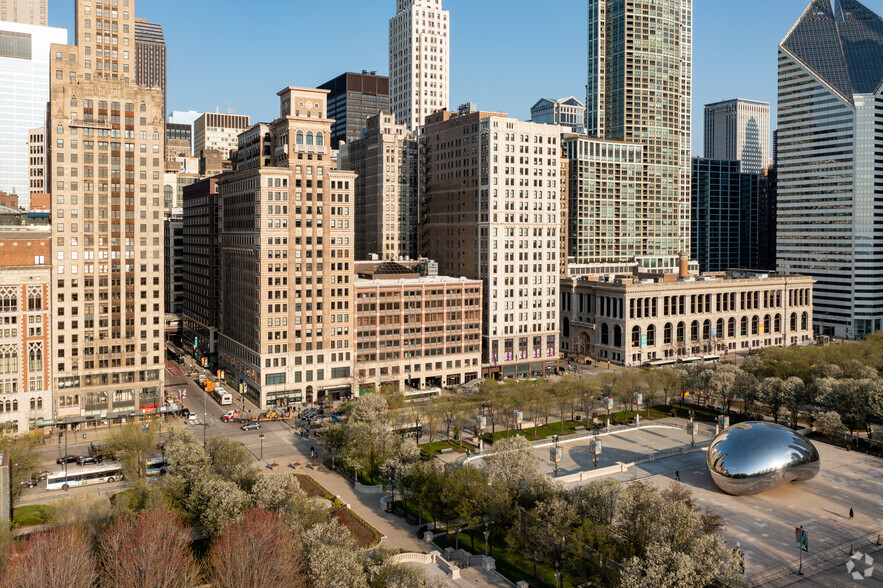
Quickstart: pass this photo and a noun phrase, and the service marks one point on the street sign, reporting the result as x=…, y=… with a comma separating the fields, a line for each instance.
x=609, y=402
x=694, y=428
x=639, y=398
x=595, y=446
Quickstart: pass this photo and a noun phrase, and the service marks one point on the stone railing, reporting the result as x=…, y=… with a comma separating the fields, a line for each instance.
x=411, y=557
x=363, y=489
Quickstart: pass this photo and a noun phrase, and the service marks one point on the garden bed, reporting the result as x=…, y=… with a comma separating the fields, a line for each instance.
x=435, y=448
x=365, y=534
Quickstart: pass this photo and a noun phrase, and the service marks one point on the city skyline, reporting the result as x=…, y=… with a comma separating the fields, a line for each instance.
x=749, y=69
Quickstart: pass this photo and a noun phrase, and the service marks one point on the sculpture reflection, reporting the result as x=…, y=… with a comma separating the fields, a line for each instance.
x=753, y=457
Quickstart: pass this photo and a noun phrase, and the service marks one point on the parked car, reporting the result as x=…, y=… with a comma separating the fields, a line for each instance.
x=67, y=459
x=88, y=460
x=250, y=426
x=29, y=483
x=192, y=416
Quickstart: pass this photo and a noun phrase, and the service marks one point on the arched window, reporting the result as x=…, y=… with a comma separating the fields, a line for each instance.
x=777, y=324
x=719, y=329
x=33, y=403
x=15, y=405
x=651, y=335
x=793, y=321
x=743, y=330
x=681, y=332
x=767, y=324
x=731, y=327
x=617, y=336
x=40, y=402
x=8, y=359
x=666, y=334
x=565, y=327
x=754, y=325
x=706, y=330
x=694, y=331
x=605, y=334
x=320, y=138
x=299, y=138
x=8, y=299
x=804, y=321
x=309, y=137
x=35, y=357
x=636, y=336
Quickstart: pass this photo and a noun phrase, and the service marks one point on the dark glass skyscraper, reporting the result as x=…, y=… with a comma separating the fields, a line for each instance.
x=353, y=98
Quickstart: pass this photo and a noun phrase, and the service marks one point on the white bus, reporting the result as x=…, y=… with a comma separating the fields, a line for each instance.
x=711, y=358
x=222, y=396
x=102, y=473
x=410, y=395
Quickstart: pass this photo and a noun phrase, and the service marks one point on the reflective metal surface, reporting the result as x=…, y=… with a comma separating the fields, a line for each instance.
x=753, y=457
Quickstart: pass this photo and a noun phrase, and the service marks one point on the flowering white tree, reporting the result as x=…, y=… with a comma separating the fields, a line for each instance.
x=216, y=502
x=513, y=462
x=333, y=558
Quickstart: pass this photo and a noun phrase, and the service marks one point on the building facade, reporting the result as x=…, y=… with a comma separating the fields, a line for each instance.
x=173, y=229
x=419, y=61
x=634, y=319
x=150, y=57
x=185, y=117
x=739, y=129
x=724, y=219
x=352, y=100
x=31, y=12
x=415, y=331
x=286, y=236
x=107, y=224
x=218, y=131
x=37, y=161
x=566, y=112
x=179, y=140
x=606, y=183
x=493, y=216
x=767, y=198
x=619, y=106
x=829, y=132
x=385, y=162
x=202, y=285
x=25, y=57
x=25, y=328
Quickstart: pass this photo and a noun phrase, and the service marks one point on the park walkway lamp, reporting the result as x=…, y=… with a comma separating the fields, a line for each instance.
x=261, y=437
x=555, y=453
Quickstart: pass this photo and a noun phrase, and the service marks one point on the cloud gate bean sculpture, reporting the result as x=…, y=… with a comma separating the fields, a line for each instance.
x=753, y=457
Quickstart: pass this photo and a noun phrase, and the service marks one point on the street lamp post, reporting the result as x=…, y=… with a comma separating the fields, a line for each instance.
x=556, y=456
x=204, y=413
x=486, y=533
x=556, y=573
x=692, y=431
x=261, y=437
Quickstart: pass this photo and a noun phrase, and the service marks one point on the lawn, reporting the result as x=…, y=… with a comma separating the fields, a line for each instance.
x=623, y=416
x=435, y=447
x=27, y=516
x=542, y=431
x=683, y=411
x=511, y=564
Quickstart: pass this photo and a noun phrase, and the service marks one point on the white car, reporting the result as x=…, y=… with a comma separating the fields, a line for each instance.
x=191, y=416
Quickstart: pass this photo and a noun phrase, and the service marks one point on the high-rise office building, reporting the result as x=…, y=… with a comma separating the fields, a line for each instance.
x=354, y=98
x=202, y=282
x=287, y=264
x=179, y=140
x=606, y=180
x=173, y=249
x=150, y=57
x=105, y=165
x=829, y=132
x=24, y=91
x=185, y=117
x=724, y=216
x=767, y=199
x=494, y=217
x=739, y=129
x=419, y=61
x=385, y=162
x=32, y=12
x=566, y=112
x=218, y=131
x=621, y=106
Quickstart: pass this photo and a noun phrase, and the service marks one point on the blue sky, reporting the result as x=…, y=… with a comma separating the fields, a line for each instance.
x=505, y=54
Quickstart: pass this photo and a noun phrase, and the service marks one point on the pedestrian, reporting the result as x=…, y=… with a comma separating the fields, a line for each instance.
x=678, y=475
x=850, y=513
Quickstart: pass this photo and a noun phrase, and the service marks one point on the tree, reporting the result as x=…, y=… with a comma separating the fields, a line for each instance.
x=465, y=496
x=672, y=383
x=565, y=398
x=549, y=524
x=5, y=544
x=513, y=462
x=636, y=518
x=232, y=461
x=258, y=550
x=794, y=396
x=185, y=456
x=722, y=384
x=770, y=393
x=133, y=445
x=432, y=416
x=829, y=423
x=332, y=557
x=23, y=457
x=216, y=502
x=151, y=548
x=390, y=575
x=61, y=558
x=598, y=500
x=278, y=493
x=86, y=513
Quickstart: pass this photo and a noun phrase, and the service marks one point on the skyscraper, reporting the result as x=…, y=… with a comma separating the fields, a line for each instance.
x=105, y=165
x=150, y=57
x=218, y=131
x=829, y=136
x=24, y=91
x=32, y=12
x=641, y=92
x=739, y=129
x=354, y=98
x=566, y=112
x=419, y=61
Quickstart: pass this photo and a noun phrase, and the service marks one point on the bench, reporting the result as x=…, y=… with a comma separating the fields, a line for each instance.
x=446, y=450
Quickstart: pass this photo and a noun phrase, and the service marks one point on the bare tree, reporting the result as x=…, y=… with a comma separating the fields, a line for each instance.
x=148, y=549
x=54, y=559
x=258, y=550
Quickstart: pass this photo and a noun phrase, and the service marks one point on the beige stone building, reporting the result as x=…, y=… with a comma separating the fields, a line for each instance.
x=105, y=153
x=490, y=199
x=37, y=161
x=286, y=316
x=32, y=12
x=636, y=319
x=218, y=131
x=25, y=327
x=413, y=331
x=385, y=160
